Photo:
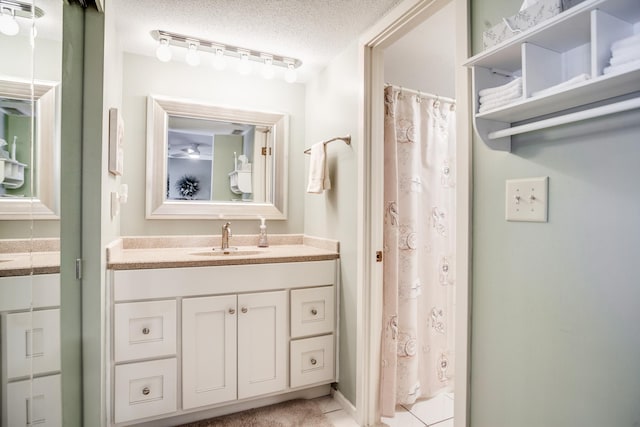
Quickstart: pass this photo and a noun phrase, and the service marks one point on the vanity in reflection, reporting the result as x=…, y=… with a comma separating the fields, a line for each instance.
x=197, y=332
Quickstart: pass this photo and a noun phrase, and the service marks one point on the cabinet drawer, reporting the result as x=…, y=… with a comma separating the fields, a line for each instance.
x=144, y=329
x=32, y=342
x=312, y=361
x=145, y=389
x=35, y=402
x=312, y=311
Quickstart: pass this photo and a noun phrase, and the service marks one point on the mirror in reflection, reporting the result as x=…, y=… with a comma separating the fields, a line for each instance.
x=28, y=150
x=208, y=161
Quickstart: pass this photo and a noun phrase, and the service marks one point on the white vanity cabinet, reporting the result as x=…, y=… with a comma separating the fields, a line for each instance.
x=575, y=43
x=30, y=350
x=235, y=333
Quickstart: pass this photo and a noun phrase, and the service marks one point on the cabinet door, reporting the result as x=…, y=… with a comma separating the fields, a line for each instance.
x=34, y=402
x=262, y=343
x=208, y=350
x=33, y=343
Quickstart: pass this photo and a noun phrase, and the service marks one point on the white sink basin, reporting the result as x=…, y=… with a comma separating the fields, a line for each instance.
x=229, y=252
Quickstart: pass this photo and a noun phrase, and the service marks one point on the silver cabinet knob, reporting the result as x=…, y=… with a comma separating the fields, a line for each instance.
x=146, y=391
x=313, y=361
x=314, y=311
x=232, y=311
x=146, y=331
x=244, y=309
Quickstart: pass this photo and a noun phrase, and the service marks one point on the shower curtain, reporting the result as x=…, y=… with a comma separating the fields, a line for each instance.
x=419, y=247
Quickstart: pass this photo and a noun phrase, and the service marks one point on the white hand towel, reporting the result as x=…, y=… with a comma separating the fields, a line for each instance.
x=496, y=104
x=491, y=90
x=628, y=41
x=318, y=170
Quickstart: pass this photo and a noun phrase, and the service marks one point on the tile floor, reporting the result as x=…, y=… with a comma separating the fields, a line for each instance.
x=435, y=412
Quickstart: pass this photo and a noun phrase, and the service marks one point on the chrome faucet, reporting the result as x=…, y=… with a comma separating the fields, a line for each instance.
x=226, y=233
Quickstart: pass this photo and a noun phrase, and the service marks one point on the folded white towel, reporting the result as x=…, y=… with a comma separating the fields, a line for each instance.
x=627, y=41
x=622, y=68
x=625, y=54
x=572, y=81
x=511, y=93
x=496, y=104
x=492, y=90
x=318, y=170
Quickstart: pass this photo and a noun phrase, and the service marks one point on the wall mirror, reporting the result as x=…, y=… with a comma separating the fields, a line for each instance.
x=206, y=161
x=28, y=174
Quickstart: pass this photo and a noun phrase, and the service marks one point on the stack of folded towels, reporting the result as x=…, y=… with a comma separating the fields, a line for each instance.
x=625, y=55
x=494, y=97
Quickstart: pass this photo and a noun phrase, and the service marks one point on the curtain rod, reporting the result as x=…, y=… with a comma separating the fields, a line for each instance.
x=421, y=94
x=346, y=139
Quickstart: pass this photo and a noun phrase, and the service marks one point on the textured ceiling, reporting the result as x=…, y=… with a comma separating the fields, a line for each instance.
x=313, y=31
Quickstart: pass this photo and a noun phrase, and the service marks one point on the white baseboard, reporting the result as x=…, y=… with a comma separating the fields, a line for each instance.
x=345, y=403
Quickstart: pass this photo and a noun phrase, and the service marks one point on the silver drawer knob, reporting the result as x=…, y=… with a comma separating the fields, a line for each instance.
x=232, y=311
x=314, y=311
x=314, y=361
x=245, y=309
x=146, y=331
x=146, y=391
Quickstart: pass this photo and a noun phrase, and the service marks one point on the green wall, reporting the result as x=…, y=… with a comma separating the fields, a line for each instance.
x=555, y=306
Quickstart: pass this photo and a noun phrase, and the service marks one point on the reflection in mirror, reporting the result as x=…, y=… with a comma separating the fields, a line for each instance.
x=206, y=161
x=28, y=170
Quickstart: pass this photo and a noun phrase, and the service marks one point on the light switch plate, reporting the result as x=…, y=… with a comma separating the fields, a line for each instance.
x=527, y=199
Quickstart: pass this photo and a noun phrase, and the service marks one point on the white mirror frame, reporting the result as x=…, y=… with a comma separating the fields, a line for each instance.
x=159, y=108
x=44, y=205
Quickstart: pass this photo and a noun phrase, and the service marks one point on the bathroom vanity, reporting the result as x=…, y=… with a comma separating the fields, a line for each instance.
x=30, y=388
x=196, y=333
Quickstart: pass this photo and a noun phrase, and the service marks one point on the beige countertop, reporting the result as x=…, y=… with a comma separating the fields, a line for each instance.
x=133, y=253
x=21, y=257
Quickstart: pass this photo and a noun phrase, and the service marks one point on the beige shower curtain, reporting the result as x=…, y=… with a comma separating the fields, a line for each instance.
x=419, y=245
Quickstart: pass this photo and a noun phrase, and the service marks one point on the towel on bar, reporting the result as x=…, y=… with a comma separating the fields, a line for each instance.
x=498, y=89
x=628, y=41
x=622, y=68
x=572, y=81
x=318, y=170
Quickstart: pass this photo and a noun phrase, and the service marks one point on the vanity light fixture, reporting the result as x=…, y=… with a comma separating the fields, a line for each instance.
x=193, y=58
x=220, y=51
x=163, y=52
x=10, y=10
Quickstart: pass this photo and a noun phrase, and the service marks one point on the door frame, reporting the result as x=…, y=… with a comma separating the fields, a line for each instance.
x=402, y=19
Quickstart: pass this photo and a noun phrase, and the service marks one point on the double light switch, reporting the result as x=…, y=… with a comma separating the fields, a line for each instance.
x=526, y=199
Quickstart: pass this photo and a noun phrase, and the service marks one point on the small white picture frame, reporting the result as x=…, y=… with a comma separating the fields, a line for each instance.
x=116, y=149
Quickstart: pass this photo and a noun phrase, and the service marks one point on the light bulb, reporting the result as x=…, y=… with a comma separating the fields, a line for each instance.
x=218, y=60
x=8, y=24
x=291, y=75
x=163, y=52
x=244, y=67
x=267, y=68
x=193, y=58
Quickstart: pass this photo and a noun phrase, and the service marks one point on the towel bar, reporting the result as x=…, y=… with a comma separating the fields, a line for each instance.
x=346, y=139
x=618, y=107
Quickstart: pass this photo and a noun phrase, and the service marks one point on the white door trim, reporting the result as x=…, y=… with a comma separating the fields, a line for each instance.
x=394, y=25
